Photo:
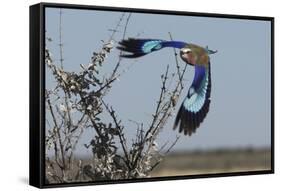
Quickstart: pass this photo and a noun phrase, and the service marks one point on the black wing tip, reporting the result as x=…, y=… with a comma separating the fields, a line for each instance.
x=185, y=121
x=132, y=55
x=126, y=41
x=129, y=41
x=188, y=121
x=125, y=49
x=132, y=46
x=189, y=132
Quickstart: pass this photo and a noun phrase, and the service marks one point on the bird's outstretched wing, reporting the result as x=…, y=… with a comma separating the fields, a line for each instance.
x=196, y=104
x=141, y=47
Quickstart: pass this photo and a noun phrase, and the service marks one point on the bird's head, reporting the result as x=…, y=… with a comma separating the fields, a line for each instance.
x=188, y=55
x=194, y=54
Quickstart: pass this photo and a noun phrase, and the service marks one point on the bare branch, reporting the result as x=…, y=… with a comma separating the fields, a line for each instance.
x=159, y=102
x=176, y=59
x=77, y=102
x=113, y=75
x=120, y=133
x=174, y=143
x=116, y=27
x=57, y=131
x=60, y=39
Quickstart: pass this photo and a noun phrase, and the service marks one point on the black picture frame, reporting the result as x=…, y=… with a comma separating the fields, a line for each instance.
x=37, y=92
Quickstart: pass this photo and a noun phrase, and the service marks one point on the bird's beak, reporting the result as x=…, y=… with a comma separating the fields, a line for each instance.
x=211, y=51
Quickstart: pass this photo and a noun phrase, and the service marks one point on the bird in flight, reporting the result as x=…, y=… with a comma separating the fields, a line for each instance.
x=196, y=104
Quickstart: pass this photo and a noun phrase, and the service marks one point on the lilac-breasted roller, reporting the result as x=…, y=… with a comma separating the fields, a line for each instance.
x=196, y=104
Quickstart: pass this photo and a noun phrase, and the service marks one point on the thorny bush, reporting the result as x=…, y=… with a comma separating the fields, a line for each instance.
x=76, y=102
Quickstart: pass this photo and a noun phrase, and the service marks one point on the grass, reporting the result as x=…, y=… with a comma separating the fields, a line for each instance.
x=205, y=162
x=214, y=161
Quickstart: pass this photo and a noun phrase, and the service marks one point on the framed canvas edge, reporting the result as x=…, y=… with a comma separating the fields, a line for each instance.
x=272, y=95
x=37, y=86
x=36, y=144
x=156, y=11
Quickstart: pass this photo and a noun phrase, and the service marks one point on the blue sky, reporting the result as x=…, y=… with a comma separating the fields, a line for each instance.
x=240, y=110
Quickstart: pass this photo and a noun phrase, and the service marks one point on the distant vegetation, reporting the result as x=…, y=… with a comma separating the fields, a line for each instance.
x=214, y=161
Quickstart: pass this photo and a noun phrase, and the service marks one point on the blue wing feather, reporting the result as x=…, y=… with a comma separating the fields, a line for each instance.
x=196, y=104
x=200, y=74
x=141, y=47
